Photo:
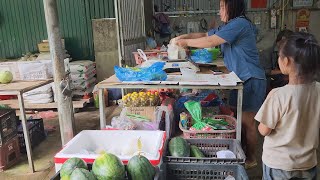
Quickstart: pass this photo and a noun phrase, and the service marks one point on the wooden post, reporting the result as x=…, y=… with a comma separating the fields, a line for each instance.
x=65, y=106
x=26, y=132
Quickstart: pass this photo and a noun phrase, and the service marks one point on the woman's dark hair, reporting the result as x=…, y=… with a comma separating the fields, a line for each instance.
x=235, y=8
x=283, y=34
x=304, y=49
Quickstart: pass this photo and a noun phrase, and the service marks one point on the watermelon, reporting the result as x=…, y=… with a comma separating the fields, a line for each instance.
x=108, y=166
x=69, y=166
x=178, y=147
x=196, y=152
x=5, y=77
x=82, y=174
x=140, y=168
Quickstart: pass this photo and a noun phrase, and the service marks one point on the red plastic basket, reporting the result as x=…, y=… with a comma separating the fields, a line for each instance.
x=217, y=134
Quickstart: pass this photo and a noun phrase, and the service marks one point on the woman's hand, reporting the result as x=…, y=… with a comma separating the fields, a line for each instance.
x=173, y=40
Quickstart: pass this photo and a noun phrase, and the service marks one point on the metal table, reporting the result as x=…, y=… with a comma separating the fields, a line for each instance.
x=18, y=88
x=113, y=82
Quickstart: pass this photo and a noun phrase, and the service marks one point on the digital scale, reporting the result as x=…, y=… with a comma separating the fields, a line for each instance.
x=175, y=65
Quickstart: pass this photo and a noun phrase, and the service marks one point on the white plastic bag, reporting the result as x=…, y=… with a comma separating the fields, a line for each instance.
x=173, y=51
x=226, y=154
x=176, y=52
x=123, y=123
x=147, y=62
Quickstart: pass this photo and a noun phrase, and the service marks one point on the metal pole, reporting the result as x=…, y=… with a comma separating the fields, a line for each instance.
x=65, y=106
x=239, y=113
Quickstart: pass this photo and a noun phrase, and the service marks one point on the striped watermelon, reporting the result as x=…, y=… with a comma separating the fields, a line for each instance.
x=108, y=166
x=178, y=147
x=82, y=174
x=69, y=166
x=140, y=168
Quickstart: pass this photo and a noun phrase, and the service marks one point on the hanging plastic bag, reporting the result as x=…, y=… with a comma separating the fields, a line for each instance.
x=168, y=116
x=152, y=73
x=202, y=56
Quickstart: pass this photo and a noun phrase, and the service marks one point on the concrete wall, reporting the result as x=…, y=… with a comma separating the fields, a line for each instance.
x=105, y=47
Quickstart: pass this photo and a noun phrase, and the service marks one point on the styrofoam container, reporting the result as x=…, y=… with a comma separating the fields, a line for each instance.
x=88, y=145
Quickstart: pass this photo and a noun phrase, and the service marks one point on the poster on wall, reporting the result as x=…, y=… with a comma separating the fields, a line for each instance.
x=303, y=20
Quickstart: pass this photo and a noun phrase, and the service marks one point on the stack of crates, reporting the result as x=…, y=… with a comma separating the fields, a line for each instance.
x=209, y=167
x=9, y=143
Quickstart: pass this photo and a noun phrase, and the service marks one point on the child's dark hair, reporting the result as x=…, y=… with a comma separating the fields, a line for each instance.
x=283, y=35
x=235, y=8
x=304, y=49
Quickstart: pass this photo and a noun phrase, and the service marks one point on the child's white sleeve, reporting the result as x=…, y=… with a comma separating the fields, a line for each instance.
x=269, y=113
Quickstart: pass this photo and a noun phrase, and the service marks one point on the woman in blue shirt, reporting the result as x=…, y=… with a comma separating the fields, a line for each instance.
x=238, y=43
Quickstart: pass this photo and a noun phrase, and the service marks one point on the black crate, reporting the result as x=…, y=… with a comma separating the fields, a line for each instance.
x=57, y=175
x=183, y=171
x=210, y=147
x=36, y=133
x=8, y=126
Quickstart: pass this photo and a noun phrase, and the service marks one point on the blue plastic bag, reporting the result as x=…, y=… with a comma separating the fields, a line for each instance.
x=202, y=56
x=152, y=73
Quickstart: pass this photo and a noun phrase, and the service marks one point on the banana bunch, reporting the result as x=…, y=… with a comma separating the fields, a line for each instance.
x=140, y=99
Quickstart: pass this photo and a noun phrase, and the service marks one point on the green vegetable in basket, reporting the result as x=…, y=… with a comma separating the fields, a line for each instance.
x=196, y=152
x=214, y=122
x=194, y=109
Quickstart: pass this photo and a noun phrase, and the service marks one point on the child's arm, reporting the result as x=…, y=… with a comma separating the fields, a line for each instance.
x=264, y=130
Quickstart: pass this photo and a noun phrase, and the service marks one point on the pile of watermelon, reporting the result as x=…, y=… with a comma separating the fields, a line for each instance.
x=108, y=166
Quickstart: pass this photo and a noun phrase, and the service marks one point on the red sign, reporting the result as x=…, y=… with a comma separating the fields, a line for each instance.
x=258, y=3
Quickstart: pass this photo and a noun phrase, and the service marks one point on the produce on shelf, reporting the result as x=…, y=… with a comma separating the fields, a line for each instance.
x=178, y=147
x=205, y=123
x=5, y=77
x=108, y=166
x=69, y=166
x=196, y=152
x=139, y=99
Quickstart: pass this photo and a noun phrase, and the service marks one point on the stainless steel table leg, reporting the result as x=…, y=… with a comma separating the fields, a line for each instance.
x=25, y=132
x=239, y=113
x=102, y=109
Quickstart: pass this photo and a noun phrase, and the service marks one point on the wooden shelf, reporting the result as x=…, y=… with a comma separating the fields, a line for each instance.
x=15, y=105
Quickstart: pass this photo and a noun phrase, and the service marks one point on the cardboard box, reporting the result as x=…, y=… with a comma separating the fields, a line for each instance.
x=44, y=46
x=123, y=143
x=148, y=111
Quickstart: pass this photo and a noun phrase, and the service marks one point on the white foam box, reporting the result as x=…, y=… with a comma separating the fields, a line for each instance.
x=88, y=145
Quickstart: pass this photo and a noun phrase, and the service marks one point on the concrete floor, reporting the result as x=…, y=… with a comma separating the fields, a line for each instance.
x=87, y=119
